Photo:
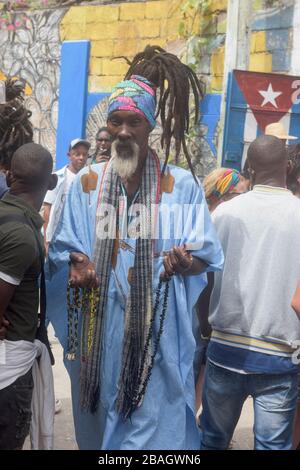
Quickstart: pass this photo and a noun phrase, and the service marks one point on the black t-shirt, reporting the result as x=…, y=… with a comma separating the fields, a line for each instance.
x=20, y=263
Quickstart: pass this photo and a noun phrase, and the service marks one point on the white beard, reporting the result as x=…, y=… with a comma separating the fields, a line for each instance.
x=125, y=162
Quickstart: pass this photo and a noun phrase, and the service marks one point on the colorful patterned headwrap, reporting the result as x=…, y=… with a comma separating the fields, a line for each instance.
x=226, y=183
x=137, y=95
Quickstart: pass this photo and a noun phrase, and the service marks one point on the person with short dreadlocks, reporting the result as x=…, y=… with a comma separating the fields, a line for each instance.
x=140, y=239
x=15, y=127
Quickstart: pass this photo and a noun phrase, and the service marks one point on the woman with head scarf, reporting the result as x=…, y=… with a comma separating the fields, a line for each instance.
x=221, y=185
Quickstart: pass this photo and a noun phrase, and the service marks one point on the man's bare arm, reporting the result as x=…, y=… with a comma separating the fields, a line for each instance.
x=46, y=216
x=296, y=300
x=202, y=306
x=6, y=293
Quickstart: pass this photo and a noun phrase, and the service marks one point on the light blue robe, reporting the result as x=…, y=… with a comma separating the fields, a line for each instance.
x=166, y=418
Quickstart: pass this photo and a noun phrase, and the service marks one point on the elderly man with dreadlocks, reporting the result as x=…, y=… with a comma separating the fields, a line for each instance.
x=132, y=375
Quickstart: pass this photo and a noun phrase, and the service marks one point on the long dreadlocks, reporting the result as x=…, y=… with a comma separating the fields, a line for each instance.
x=15, y=127
x=174, y=80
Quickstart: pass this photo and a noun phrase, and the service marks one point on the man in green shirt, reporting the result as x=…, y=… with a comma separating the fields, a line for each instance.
x=21, y=257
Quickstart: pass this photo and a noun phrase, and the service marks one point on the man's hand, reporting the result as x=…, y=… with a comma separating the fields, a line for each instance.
x=4, y=324
x=180, y=261
x=177, y=261
x=6, y=294
x=82, y=272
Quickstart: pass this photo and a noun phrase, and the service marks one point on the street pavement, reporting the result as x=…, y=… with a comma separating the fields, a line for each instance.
x=64, y=437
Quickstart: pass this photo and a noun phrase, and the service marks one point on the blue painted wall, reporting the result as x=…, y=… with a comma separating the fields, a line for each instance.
x=72, y=96
x=277, y=25
x=236, y=108
x=210, y=115
x=279, y=18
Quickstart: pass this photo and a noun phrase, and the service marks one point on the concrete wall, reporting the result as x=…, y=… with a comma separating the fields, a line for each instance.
x=210, y=45
x=120, y=30
x=30, y=48
x=267, y=40
x=271, y=37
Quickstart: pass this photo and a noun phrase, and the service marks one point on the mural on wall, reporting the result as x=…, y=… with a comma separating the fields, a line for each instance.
x=32, y=53
x=271, y=38
x=127, y=28
x=96, y=119
x=30, y=48
x=10, y=18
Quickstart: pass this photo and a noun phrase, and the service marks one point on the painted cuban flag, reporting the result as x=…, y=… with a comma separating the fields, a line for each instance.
x=255, y=100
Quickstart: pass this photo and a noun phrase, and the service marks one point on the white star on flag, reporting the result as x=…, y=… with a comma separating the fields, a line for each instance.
x=269, y=96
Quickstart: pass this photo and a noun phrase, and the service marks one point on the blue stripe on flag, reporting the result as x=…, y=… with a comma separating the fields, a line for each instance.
x=258, y=131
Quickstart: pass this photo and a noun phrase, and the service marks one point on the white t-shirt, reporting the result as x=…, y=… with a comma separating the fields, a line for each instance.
x=56, y=198
x=251, y=298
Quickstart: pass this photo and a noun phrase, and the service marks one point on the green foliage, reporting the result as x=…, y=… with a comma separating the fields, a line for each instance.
x=200, y=12
x=11, y=17
x=15, y=5
x=201, y=5
x=197, y=40
x=191, y=10
x=271, y=3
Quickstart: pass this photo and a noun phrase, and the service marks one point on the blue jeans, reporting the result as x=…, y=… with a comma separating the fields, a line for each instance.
x=224, y=393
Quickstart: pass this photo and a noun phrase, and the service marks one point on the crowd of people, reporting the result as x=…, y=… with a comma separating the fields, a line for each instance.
x=173, y=302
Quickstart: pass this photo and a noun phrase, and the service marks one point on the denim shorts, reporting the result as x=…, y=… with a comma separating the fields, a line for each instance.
x=15, y=412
